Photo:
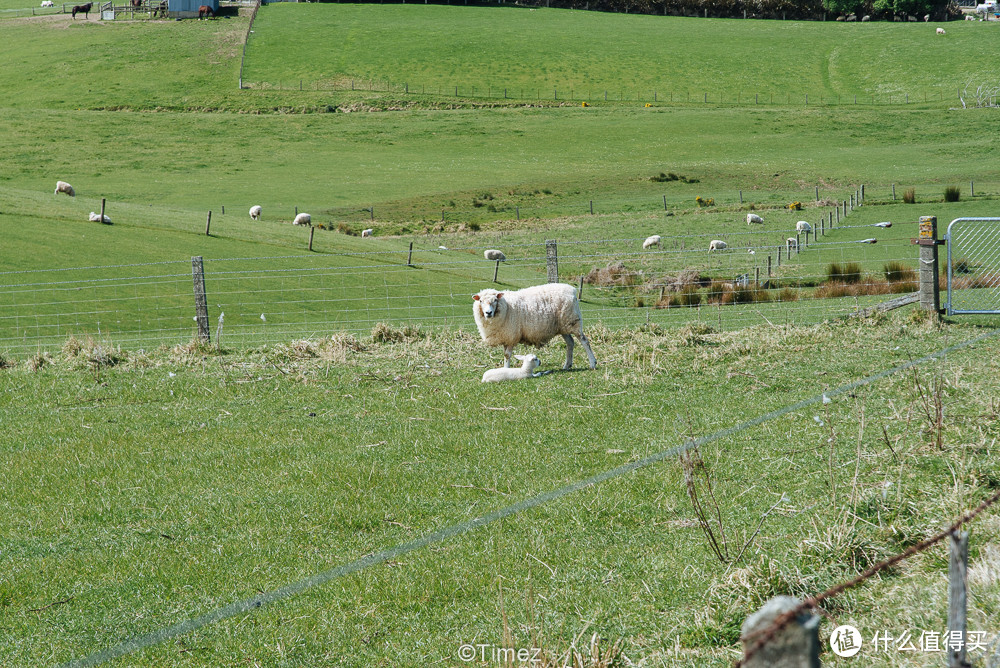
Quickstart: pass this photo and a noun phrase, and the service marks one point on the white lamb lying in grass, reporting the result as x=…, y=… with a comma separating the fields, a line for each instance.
x=532, y=316
x=96, y=218
x=526, y=370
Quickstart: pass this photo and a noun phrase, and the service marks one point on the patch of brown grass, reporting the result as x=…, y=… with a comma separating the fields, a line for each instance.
x=615, y=274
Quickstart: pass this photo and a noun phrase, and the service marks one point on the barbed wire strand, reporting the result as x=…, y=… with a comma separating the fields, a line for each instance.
x=766, y=635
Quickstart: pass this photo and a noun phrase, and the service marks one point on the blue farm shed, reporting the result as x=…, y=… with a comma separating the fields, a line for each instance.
x=186, y=9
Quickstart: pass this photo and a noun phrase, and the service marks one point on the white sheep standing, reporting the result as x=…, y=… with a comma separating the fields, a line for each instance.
x=940, y=31
x=803, y=226
x=494, y=254
x=651, y=241
x=63, y=187
x=528, y=365
x=754, y=219
x=302, y=219
x=717, y=244
x=255, y=212
x=367, y=233
x=792, y=242
x=96, y=218
x=532, y=316
x=48, y=3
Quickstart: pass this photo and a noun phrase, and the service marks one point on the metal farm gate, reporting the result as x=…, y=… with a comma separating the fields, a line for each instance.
x=973, y=266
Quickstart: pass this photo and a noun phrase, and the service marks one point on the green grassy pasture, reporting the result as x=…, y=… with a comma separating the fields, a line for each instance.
x=585, y=53
x=143, y=489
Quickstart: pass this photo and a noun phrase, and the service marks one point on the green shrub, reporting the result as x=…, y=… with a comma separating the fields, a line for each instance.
x=897, y=272
x=952, y=193
x=847, y=273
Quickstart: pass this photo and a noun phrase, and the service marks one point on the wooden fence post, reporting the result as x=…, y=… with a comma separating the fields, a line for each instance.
x=579, y=293
x=930, y=293
x=551, y=261
x=893, y=192
x=103, y=202
x=958, y=567
x=496, y=270
x=769, y=266
x=794, y=646
x=200, y=300
x=208, y=224
x=312, y=231
x=409, y=256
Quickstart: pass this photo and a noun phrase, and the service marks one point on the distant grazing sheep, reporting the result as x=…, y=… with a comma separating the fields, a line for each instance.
x=754, y=219
x=651, y=241
x=48, y=3
x=495, y=255
x=803, y=226
x=367, y=233
x=255, y=212
x=526, y=370
x=940, y=31
x=96, y=218
x=302, y=219
x=531, y=316
x=792, y=243
x=717, y=245
x=63, y=187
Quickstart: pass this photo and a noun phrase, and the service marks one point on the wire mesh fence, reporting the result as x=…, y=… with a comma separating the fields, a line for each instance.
x=760, y=277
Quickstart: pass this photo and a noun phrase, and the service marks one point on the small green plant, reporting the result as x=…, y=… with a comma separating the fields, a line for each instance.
x=897, y=272
x=846, y=273
x=910, y=196
x=344, y=228
x=665, y=178
x=952, y=193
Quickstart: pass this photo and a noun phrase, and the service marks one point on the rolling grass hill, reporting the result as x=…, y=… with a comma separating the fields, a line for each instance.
x=149, y=479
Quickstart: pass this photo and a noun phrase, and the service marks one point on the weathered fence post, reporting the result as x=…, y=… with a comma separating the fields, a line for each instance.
x=103, y=202
x=930, y=293
x=579, y=293
x=958, y=567
x=972, y=188
x=312, y=231
x=518, y=210
x=496, y=270
x=208, y=224
x=551, y=261
x=817, y=193
x=769, y=266
x=409, y=256
x=796, y=645
x=200, y=300
x=741, y=197
x=893, y=192
x=664, y=202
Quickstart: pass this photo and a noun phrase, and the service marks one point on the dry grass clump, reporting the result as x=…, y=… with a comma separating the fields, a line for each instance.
x=897, y=272
x=385, y=333
x=614, y=274
x=6, y=362
x=93, y=353
x=39, y=360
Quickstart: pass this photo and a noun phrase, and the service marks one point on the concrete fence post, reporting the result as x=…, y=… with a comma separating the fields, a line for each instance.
x=200, y=299
x=794, y=646
x=552, y=261
x=958, y=597
x=930, y=292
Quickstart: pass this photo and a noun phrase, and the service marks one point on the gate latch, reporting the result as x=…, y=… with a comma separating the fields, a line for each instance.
x=928, y=242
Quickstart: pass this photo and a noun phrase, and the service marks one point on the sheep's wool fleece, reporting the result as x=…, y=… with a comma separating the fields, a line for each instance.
x=532, y=315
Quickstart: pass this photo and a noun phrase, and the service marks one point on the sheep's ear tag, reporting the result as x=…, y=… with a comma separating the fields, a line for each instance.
x=475, y=297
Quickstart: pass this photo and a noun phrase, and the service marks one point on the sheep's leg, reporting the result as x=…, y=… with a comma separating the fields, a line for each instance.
x=569, y=351
x=590, y=353
x=506, y=356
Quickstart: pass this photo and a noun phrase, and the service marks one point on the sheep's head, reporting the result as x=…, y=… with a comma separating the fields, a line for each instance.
x=489, y=302
x=529, y=361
